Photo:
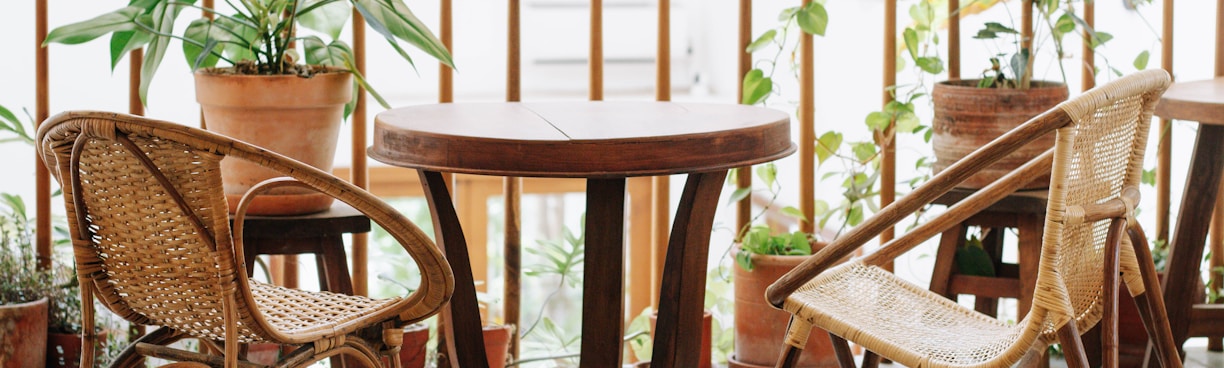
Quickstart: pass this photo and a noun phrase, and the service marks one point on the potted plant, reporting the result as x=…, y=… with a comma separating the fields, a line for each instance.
x=24, y=289
x=266, y=96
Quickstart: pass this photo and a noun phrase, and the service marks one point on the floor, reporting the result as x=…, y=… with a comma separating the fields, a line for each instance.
x=1197, y=356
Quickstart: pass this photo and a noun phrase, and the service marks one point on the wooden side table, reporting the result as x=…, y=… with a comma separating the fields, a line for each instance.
x=320, y=234
x=604, y=143
x=1201, y=101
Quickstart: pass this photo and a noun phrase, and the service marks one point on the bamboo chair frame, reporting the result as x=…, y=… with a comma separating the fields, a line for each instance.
x=152, y=240
x=1062, y=308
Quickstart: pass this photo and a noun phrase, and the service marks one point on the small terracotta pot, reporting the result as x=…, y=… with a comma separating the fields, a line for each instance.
x=497, y=344
x=706, y=338
x=760, y=329
x=293, y=116
x=64, y=349
x=23, y=334
x=412, y=352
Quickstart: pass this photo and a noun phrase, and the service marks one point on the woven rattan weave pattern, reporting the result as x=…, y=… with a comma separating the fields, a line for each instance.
x=152, y=241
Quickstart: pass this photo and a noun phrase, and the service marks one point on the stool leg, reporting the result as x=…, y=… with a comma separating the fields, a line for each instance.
x=945, y=260
x=333, y=266
x=993, y=244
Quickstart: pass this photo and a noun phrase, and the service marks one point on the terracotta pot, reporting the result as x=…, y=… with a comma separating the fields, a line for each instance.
x=23, y=334
x=296, y=117
x=267, y=353
x=64, y=349
x=707, y=320
x=412, y=352
x=967, y=117
x=760, y=329
x=497, y=344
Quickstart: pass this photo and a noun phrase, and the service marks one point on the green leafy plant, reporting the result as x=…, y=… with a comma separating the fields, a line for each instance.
x=256, y=37
x=760, y=239
x=811, y=18
x=1014, y=68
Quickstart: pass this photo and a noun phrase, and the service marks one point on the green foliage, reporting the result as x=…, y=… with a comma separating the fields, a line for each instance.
x=255, y=35
x=1055, y=19
x=21, y=280
x=760, y=239
x=972, y=259
x=811, y=18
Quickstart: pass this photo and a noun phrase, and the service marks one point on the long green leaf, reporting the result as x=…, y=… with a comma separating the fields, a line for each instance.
x=163, y=22
x=393, y=20
x=201, y=30
x=327, y=16
x=124, y=42
x=84, y=31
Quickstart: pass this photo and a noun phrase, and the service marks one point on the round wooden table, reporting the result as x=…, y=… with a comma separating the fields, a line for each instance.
x=1201, y=101
x=604, y=142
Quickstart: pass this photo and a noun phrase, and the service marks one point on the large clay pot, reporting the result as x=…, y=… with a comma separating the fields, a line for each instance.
x=707, y=320
x=296, y=117
x=23, y=334
x=760, y=329
x=967, y=118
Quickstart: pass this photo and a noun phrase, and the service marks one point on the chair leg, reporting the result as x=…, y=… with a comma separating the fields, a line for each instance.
x=1073, y=349
x=871, y=359
x=1109, y=319
x=1151, y=303
x=841, y=347
x=797, y=332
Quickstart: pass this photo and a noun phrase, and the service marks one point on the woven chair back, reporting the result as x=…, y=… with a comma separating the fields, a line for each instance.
x=1096, y=156
x=151, y=232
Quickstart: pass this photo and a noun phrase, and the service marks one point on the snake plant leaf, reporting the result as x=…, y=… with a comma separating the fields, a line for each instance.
x=326, y=16
x=813, y=19
x=393, y=20
x=87, y=30
x=122, y=43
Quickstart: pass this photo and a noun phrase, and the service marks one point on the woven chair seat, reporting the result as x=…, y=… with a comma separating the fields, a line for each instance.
x=898, y=319
x=283, y=308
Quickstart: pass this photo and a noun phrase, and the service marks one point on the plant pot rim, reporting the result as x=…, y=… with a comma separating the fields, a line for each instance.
x=972, y=84
x=25, y=304
x=780, y=258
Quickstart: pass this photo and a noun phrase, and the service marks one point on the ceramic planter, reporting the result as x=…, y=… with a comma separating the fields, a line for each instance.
x=412, y=351
x=967, y=117
x=23, y=334
x=296, y=117
x=760, y=329
x=64, y=349
x=497, y=344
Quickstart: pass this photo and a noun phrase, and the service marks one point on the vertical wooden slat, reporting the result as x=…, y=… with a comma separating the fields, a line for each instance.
x=1164, y=150
x=743, y=176
x=954, y=68
x=660, y=185
x=203, y=124
x=135, y=59
x=888, y=148
x=807, y=134
x=513, y=186
x=1216, y=235
x=596, y=55
x=1026, y=30
x=446, y=76
x=1088, y=78
x=360, y=173
x=42, y=108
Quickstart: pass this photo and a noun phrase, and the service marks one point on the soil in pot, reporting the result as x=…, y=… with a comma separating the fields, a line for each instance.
x=293, y=116
x=967, y=118
x=760, y=329
x=23, y=334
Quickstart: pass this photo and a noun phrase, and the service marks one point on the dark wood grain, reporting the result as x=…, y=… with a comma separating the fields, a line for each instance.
x=603, y=275
x=316, y=233
x=677, y=340
x=1200, y=101
x=580, y=139
x=462, y=325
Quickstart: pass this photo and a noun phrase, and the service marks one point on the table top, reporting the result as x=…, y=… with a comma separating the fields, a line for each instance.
x=1201, y=101
x=580, y=139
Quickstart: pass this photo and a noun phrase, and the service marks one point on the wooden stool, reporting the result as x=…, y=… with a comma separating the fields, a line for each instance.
x=320, y=234
x=1023, y=211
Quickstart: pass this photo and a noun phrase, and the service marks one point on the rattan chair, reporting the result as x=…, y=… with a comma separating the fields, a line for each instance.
x=1095, y=164
x=152, y=241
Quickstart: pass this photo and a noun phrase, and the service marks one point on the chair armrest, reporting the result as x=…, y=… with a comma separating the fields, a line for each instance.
x=895, y=212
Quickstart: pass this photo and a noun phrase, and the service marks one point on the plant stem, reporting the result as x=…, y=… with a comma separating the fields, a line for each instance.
x=193, y=42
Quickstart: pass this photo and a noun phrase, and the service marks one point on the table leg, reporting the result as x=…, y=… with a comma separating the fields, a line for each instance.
x=603, y=302
x=677, y=339
x=1186, y=249
x=462, y=325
